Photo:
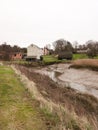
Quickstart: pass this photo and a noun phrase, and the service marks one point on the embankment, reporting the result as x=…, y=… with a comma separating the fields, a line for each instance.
x=76, y=111
x=86, y=63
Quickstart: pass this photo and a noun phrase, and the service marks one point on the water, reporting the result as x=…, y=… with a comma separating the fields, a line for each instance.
x=82, y=80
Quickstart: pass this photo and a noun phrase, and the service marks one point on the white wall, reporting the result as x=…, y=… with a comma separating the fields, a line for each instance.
x=33, y=50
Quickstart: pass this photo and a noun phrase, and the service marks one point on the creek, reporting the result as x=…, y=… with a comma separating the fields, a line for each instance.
x=82, y=80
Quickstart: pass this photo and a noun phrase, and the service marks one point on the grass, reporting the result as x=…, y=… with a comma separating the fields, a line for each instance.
x=53, y=117
x=79, y=56
x=51, y=59
x=18, y=111
x=82, y=56
x=48, y=60
x=86, y=63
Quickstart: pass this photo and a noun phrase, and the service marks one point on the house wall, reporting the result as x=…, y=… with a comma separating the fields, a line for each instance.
x=33, y=50
x=46, y=51
x=16, y=56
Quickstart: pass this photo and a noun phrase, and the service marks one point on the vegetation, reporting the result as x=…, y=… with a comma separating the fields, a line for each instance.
x=6, y=51
x=79, y=56
x=47, y=60
x=86, y=63
x=65, y=55
x=18, y=111
x=63, y=49
x=73, y=105
x=51, y=59
x=92, y=48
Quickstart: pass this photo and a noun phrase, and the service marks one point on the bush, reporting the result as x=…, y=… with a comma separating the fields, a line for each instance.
x=65, y=55
x=91, y=53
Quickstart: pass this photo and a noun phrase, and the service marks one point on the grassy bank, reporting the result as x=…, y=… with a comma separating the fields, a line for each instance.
x=79, y=112
x=86, y=63
x=18, y=111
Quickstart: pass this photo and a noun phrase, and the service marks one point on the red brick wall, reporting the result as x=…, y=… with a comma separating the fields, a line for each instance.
x=17, y=56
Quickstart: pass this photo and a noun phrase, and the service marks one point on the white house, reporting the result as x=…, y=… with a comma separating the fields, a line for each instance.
x=34, y=51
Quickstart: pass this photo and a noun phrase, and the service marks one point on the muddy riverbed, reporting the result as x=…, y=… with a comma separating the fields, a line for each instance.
x=82, y=80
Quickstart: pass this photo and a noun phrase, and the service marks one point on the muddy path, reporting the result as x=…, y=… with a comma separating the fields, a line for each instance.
x=83, y=80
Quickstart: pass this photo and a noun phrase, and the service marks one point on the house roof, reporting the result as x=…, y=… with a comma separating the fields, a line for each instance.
x=34, y=45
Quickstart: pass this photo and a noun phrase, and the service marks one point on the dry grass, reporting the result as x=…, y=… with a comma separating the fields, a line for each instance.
x=86, y=63
x=83, y=105
x=18, y=111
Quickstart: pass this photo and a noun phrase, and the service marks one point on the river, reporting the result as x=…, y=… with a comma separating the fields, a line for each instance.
x=82, y=80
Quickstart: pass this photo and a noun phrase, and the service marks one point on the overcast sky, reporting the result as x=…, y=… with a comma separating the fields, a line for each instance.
x=23, y=22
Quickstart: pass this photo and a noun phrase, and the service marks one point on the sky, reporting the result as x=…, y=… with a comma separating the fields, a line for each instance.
x=41, y=22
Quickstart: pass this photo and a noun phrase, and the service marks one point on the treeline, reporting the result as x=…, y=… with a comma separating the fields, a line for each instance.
x=7, y=50
x=62, y=46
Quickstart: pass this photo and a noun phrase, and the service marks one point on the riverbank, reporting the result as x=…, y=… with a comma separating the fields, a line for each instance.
x=82, y=80
x=71, y=103
x=91, y=64
x=18, y=109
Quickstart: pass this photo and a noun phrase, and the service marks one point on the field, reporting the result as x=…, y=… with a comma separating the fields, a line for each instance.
x=18, y=111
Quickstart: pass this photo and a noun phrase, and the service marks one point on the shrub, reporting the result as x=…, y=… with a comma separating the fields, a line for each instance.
x=65, y=55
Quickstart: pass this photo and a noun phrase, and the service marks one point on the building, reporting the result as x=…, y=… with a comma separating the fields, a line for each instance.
x=34, y=52
x=17, y=56
x=46, y=51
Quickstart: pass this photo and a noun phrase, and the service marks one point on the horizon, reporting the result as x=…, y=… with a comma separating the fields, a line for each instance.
x=42, y=22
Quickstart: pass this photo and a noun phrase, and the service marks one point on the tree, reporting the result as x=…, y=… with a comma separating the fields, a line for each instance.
x=92, y=48
x=7, y=50
x=63, y=49
x=62, y=45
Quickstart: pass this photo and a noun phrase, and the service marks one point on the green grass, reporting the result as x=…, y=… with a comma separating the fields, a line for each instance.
x=82, y=56
x=96, y=57
x=49, y=59
x=18, y=111
x=52, y=58
x=79, y=56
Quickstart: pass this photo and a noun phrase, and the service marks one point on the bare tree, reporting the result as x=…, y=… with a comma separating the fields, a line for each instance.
x=62, y=45
x=92, y=48
x=63, y=49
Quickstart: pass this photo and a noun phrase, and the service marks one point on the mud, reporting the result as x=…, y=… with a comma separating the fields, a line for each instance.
x=82, y=80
